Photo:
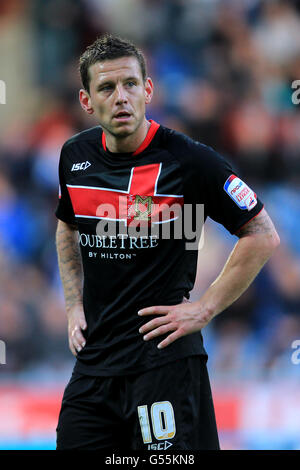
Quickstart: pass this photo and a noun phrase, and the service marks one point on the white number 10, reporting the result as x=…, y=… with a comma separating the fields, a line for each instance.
x=163, y=421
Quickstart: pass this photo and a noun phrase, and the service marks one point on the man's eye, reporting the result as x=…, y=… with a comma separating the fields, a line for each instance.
x=131, y=84
x=106, y=88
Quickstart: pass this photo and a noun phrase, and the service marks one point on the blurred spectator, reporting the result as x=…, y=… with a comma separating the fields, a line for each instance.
x=277, y=32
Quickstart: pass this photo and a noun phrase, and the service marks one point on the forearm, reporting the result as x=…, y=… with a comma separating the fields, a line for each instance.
x=257, y=243
x=258, y=239
x=70, y=264
x=244, y=263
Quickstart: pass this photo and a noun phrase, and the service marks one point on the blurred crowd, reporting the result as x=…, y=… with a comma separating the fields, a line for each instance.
x=223, y=73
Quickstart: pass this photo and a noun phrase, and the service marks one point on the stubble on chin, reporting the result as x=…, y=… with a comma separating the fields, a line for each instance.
x=124, y=131
x=121, y=133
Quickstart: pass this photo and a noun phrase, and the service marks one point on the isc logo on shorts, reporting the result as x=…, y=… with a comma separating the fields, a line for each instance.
x=240, y=192
x=80, y=166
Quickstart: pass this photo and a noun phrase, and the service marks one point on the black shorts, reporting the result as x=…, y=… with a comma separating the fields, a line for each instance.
x=164, y=408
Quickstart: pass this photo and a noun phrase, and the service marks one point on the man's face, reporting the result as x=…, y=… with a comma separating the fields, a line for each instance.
x=118, y=95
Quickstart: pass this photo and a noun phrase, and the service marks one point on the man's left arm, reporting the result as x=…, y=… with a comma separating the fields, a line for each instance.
x=257, y=241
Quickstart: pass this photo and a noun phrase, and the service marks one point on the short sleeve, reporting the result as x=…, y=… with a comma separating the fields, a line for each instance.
x=228, y=199
x=64, y=210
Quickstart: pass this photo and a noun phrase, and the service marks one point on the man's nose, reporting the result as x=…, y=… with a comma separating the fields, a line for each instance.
x=121, y=95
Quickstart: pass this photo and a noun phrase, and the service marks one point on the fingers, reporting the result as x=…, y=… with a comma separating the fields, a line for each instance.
x=170, y=339
x=83, y=324
x=73, y=350
x=77, y=340
x=160, y=310
x=173, y=318
x=160, y=331
x=155, y=323
x=162, y=327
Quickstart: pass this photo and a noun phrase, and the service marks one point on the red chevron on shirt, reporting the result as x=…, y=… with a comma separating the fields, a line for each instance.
x=139, y=202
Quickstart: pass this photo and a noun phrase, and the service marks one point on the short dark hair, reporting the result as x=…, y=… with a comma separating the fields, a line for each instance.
x=108, y=47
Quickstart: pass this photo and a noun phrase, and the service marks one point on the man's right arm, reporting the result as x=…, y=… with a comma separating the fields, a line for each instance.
x=70, y=267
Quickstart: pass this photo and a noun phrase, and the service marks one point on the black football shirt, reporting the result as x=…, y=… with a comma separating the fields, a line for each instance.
x=126, y=271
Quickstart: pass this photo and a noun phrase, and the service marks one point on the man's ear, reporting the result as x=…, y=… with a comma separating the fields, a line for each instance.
x=85, y=101
x=148, y=90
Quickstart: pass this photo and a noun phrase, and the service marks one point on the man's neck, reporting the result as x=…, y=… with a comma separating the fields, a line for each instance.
x=129, y=143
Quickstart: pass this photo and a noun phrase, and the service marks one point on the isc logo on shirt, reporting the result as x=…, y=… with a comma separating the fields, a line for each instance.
x=80, y=166
x=240, y=192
